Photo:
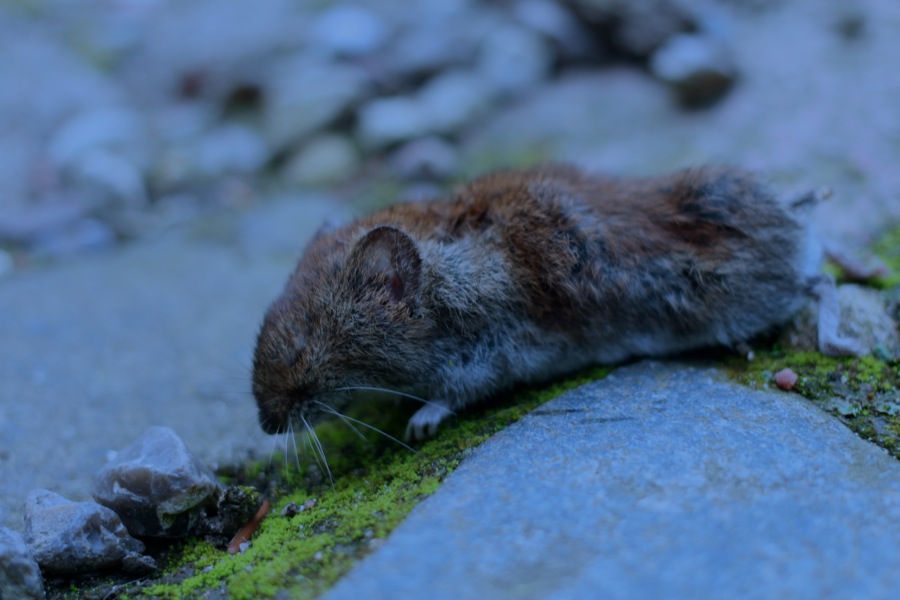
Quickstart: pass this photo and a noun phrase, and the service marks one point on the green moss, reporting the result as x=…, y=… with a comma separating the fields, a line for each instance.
x=888, y=249
x=317, y=530
x=863, y=392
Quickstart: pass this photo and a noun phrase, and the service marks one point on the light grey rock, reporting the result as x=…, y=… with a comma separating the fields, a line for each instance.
x=453, y=99
x=385, y=121
x=157, y=486
x=514, y=59
x=75, y=537
x=20, y=576
x=7, y=264
x=349, y=29
x=554, y=21
x=699, y=68
x=864, y=317
x=113, y=128
x=324, y=159
x=661, y=481
x=114, y=178
x=426, y=158
x=304, y=94
x=84, y=235
x=230, y=148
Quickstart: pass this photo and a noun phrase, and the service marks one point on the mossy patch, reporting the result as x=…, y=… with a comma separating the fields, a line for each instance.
x=317, y=529
x=863, y=392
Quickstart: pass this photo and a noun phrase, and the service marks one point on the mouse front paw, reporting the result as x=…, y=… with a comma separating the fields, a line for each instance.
x=423, y=424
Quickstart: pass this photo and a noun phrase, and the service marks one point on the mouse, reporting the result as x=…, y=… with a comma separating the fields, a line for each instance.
x=524, y=275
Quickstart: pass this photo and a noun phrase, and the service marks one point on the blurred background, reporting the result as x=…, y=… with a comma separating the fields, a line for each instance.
x=122, y=118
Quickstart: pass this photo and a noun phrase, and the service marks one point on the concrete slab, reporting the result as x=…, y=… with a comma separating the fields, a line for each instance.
x=662, y=481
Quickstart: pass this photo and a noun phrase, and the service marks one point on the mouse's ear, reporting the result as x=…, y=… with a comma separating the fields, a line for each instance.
x=388, y=257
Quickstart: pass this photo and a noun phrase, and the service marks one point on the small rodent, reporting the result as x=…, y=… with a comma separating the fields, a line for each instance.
x=524, y=275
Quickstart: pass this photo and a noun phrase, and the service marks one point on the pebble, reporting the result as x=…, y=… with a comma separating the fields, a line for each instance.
x=698, y=68
x=112, y=176
x=786, y=379
x=84, y=235
x=865, y=318
x=322, y=160
x=75, y=537
x=304, y=94
x=425, y=158
x=157, y=486
x=20, y=576
x=7, y=264
x=231, y=148
x=350, y=30
x=115, y=128
x=385, y=121
x=514, y=59
x=454, y=99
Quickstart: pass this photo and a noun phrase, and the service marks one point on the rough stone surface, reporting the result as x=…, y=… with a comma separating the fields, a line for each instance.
x=20, y=576
x=660, y=481
x=75, y=537
x=156, y=486
x=160, y=333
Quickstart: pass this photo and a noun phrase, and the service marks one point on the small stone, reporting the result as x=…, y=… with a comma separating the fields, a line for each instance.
x=865, y=318
x=290, y=509
x=157, y=486
x=555, y=22
x=20, y=576
x=697, y=67
x=74, y=537
x=303, y=95
x=349, y=30
x=786, y=379
x=325, y=159
x=84, y=235
x=514, y=59
x=232, y=148
x=385, y=121
x=426, y=158
x=138, y=564
x=454, y=99
x=7, y=264
x=112, y=176
x=112, y=128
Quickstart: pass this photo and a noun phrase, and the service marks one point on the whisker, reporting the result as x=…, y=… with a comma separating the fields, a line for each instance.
x=365, y=388
x=350, y=425
x=318, y=443
x=332, y=411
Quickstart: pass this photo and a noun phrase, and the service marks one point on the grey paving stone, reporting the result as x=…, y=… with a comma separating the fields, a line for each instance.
x=662, y=481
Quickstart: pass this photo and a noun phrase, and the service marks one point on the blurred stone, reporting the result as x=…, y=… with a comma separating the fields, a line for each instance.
x=324, y=159
x=75, y=537
x=453, y=99
x=303, y=94
x=864, y=318
x=7, y=264
x=385, y=121
x=115, y=128
x=348, y=29
x=110, y=174
x=426, y=158
x=20, y=576
x=556, y=22
x=698, y=68
x=514, y=59
x=231, y=148
x=157, y=486
x=84, y=235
